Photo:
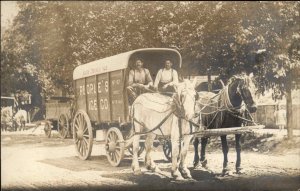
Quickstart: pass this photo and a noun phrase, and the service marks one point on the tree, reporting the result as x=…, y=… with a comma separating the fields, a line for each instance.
x=49, y=39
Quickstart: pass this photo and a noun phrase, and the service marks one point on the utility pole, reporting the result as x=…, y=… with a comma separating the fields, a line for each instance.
x=209, y=79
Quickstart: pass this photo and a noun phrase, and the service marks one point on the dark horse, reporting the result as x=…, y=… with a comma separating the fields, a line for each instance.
x=223, y=110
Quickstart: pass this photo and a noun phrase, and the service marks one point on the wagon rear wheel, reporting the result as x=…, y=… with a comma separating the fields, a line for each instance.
x=63, y=126
x=82, y=134
x=167, y=148
x=114, y=146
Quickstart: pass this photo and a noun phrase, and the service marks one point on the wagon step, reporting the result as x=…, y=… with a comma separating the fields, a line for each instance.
x=228, y=131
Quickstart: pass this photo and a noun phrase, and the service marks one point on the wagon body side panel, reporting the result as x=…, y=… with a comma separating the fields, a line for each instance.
x=80, y=94
x=91, y=98
x=103, y=97
x=117, y=96
x=51, y=110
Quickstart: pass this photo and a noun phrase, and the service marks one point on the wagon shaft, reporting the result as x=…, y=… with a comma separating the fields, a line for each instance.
x=227, y=131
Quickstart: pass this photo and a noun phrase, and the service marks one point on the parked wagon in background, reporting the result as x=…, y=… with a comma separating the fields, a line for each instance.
x=101, y=102
x=59, y=115
x=8, y=106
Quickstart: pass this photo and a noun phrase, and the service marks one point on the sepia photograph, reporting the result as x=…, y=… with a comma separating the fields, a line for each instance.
x=150, y=95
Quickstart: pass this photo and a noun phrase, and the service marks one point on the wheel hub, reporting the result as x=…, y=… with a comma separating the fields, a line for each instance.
x=111, y=146
x=80, y=134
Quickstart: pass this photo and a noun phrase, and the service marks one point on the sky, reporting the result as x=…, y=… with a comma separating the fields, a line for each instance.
x=9, y=10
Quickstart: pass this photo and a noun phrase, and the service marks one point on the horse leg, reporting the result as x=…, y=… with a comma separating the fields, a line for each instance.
x=225, y=152
x=238, y=153
x=135, y=148
x=203, y=160
x=196, y=154
x=176, y=147
x=24, y=124
x=150, y=164
x=185, y=172
x=175, y=153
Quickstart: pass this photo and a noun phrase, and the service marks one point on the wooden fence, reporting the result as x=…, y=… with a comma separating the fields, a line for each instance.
x=265, y=116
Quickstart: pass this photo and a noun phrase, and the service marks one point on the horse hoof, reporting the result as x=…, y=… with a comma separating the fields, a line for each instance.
x=177, y=175
x=239, y=170
x=148, y=167
x=187, y=176
x=225, y=171
x=153, y=169
x=185, y=173
x=179, y=178
x=137, y=172
x=156, y=169
x=196, y=164
x=204, y=163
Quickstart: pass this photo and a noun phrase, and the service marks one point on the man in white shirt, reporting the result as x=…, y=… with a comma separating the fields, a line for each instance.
x=139, y=81
x=166, y=78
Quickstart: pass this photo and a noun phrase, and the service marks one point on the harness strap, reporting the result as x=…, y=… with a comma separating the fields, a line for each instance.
x=134, y=81
x=171, y=75
x=155, y=128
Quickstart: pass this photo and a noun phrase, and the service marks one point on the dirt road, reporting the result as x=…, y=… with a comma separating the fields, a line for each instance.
x=34, y=162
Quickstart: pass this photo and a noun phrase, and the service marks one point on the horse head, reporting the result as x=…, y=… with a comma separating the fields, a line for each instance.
x=185, y=99
x=239, y=90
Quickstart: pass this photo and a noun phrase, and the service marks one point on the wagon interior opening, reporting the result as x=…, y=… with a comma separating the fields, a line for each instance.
x=155, y=60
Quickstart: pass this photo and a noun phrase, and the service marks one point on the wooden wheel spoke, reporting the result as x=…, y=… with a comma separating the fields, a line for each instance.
x=76, y=123
x=168, y=152
x=115, y=137
x=85, y=130
x=82, y=120
x=85, y=141
x=114, y=156
x=78, y=145
x=88, y=136
x=79, y=121
x=110, y=137
x=117, y=155
x=84, y=124
x=84, y=148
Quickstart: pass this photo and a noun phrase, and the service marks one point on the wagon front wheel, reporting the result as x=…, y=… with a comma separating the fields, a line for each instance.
x=114, y=146
x=82, y=134
x=141, y=149
x=63, y=126
x=167, y=148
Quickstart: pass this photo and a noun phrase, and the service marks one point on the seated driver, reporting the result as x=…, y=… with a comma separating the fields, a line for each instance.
x=166, y=78
x=139, y=81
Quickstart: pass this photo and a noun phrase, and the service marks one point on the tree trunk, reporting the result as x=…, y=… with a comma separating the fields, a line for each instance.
x=289, y=113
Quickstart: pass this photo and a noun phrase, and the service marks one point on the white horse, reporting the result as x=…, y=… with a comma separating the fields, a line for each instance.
x=20, y=119
x=155, y=114
x=6, y=117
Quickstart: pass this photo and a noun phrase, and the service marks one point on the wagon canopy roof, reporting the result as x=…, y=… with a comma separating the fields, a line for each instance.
x=112, y=63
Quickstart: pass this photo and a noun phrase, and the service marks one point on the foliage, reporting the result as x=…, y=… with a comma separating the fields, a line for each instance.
x=49, y=39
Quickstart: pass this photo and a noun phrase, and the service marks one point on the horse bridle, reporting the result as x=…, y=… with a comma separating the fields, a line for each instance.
x=180, y=112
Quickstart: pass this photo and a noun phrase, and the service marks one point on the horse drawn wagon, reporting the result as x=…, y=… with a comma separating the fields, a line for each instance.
x=59, y=115
x=101, y=110
x=101, y=102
